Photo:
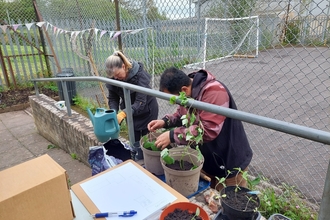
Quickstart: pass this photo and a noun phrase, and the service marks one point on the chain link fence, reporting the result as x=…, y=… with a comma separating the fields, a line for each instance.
x=273, y=56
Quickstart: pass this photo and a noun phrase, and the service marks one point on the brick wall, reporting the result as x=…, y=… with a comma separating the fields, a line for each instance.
x=73, y=134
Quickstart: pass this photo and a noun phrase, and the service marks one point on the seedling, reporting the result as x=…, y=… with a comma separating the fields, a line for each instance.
x=251, y=184
x=188, y=120
x=196, y=214
x=149, y=144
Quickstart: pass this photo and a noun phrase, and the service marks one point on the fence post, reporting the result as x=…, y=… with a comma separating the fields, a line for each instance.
x=325, y=203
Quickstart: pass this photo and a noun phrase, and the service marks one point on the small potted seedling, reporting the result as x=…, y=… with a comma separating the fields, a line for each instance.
x=182, y=165
x=151, y=153
x=239, y=202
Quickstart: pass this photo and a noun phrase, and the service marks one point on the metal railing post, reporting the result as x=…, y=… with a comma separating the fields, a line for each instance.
x=324, y=212
x=66, y=97
x=36, y=88
x=129, y=116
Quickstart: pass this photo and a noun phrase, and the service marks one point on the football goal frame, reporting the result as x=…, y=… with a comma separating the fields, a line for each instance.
x=247, y=33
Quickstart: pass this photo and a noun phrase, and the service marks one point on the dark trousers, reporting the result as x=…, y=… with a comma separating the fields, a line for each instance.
x=139, y=134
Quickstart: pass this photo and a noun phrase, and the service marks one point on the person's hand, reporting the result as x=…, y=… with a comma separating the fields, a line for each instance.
x=155, y=124
x=120, y=117
x=163, y=140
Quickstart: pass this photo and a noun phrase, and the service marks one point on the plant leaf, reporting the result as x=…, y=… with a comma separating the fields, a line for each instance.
x=189, y=137
x=173, y=100
x=197, y=211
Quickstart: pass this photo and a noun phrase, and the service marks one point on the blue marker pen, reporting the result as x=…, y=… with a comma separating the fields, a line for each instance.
x=119, y=214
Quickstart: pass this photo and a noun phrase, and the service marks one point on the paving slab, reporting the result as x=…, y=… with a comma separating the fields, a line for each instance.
x=6, y=137
x=20, y=142
x=13, y=154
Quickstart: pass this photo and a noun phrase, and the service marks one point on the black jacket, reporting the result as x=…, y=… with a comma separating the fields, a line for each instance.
x=144, y=107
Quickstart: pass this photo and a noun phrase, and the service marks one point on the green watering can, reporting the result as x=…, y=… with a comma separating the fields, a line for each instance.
x=105, y=124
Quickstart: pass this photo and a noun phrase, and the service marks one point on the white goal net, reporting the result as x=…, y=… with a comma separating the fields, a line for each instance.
x=225, y=38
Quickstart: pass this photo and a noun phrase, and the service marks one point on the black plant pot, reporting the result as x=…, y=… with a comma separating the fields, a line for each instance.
x=278, y=217
x=236, y=205
x=220, y=216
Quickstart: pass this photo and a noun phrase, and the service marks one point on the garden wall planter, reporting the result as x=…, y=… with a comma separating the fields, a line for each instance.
x=186, y=210
x=237, y=206
x=184, y=181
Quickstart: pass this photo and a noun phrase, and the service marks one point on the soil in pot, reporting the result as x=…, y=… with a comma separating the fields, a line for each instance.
x=177, y=165
x=239, y=201
x=182, y=211
x=238, y=205
x=179, y=214
x=184, y=181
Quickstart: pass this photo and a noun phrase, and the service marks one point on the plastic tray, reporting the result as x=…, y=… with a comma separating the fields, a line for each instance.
x=202, y=185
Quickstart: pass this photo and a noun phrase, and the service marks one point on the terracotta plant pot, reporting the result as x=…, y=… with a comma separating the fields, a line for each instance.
x=184, y=181
x=190, y=207
x=236, y=205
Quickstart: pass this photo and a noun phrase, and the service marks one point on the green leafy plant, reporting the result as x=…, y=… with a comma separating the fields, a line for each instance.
x=188, y=120
x=166, y=157
x=51, y=146
x=51, y=86
x=74, y=156
x=287, y=201
x=251, y=197
x=148, y=141
x=292, y=33
x=85, y=103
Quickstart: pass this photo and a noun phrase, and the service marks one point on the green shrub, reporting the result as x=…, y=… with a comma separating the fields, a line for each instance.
x=292, y=33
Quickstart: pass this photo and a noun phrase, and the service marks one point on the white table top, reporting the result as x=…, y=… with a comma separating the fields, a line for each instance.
x=79, y=209
x=82, y=213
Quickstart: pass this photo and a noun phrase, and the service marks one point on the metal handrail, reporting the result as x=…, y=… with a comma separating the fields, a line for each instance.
x=286, y=127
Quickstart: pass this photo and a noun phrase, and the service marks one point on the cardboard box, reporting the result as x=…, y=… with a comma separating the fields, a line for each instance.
x=35, y=190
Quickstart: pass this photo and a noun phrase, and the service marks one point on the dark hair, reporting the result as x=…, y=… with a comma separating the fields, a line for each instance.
x=173, y=79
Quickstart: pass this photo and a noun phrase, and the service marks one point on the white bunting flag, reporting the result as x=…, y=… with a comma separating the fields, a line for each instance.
x=29, y=25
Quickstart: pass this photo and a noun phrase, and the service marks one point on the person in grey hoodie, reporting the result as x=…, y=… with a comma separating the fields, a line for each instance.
x=144, y=107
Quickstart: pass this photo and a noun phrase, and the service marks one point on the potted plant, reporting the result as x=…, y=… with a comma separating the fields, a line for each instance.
x=278, y=216
x=182, y=165
x=151, y=153
x=184, y=210
x=238, y=202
